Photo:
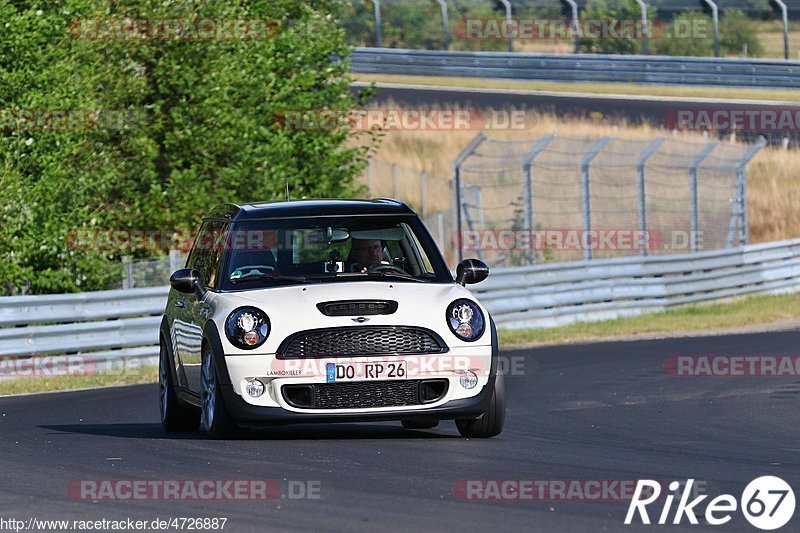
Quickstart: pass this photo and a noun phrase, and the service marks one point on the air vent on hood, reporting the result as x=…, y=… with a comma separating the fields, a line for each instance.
x=357, y=307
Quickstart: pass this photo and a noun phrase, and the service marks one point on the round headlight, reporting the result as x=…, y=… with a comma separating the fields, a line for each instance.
x=465, y=320
x=247, y=327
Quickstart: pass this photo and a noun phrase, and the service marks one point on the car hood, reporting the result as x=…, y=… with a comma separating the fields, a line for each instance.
x=294, y=308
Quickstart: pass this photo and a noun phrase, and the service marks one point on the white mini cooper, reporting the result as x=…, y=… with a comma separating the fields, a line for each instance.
x=325, y=311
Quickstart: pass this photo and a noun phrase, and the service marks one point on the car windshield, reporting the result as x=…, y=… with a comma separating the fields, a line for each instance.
x=315, y=250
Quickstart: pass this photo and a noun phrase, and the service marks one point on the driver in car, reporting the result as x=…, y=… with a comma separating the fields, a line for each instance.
x=365, y=254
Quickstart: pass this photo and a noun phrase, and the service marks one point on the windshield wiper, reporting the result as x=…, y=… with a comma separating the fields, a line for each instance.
x=395, y=275
x=265, y=276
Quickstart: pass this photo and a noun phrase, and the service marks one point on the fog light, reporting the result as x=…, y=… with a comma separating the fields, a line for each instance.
x=468, y=379
x=255, y=388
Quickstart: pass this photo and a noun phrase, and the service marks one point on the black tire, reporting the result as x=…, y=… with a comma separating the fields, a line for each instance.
x=215, y=419
x=419, y=423
x=491, y=423
x=174, y=415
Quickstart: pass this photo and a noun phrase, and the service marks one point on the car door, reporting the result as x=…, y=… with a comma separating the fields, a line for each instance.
x=211, y=245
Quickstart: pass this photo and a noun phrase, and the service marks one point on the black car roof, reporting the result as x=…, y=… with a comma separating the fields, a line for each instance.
x=310, y=208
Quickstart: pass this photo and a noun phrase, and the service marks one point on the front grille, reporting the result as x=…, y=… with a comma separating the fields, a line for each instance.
x=363, y=340
x=355, y=395
x=357, y=307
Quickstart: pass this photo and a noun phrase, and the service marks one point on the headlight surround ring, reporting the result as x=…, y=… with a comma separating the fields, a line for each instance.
x=247, y=328
x=465, y=320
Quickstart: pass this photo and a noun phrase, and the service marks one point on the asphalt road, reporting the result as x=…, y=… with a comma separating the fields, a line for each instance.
x=656, y=111
x=591, y=412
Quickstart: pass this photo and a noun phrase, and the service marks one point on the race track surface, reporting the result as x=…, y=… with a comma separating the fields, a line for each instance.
x=655, y=111
x=591, y=412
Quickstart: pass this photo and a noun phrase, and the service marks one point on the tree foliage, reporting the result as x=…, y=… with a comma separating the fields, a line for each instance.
x=177, y=126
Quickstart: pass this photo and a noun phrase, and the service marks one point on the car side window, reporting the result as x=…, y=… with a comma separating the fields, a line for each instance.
x=208, y=250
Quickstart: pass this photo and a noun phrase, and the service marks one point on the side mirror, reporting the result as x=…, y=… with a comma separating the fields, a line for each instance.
x=187, y=281
x=471, y=271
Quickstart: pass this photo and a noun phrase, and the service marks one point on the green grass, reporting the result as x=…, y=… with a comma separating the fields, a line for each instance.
x=778, y=95
x=145, y=374
x=741, y=313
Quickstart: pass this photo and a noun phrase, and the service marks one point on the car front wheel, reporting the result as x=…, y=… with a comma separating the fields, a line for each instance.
x=215, y=419
x=491, y=423
x=174, y=415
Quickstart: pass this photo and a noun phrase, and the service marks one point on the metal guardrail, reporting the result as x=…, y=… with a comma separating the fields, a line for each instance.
x=723, y=72
x=108, y=326
x=101, y=327
x=562, y=293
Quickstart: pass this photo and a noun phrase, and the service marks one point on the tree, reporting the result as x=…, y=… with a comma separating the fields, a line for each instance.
x=179, y=125
x=625, y=37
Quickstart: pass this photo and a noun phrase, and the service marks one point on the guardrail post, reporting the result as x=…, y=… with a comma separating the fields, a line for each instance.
x=645, y=27
x=715, y=18
x=640, y=174
x=575, y=23
x=395, y=180
x=175, y=260
x=378, y=22
x=587, y=201
x=528, y=185
x=693, y=193
x=785, y=17
x=456, y=185
x=509, y=21
x=445, y=24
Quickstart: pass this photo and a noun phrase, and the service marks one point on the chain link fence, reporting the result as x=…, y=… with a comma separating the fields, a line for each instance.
x=555, y=199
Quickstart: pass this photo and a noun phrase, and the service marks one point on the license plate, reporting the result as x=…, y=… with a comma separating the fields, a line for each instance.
x=366, y=371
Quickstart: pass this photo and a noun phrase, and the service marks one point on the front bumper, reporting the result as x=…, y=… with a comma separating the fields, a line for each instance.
x=272, y=407
x=249, y=415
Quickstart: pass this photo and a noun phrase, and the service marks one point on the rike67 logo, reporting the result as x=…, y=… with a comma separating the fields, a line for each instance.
x=767, y=503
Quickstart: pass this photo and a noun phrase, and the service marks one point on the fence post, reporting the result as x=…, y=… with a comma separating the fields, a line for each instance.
x=423, y=183
x=456, y=185
x=395, y=180
x=640, y=175
x=741, y=175
x=127, y=272
x=587, y=202
x=715, y=18
x=445, y=24
x=378, y=22
x=704, y=153
x=575, y=23
x=785, y=17
x=509, y=21
x=528, y=185
x=645, y=27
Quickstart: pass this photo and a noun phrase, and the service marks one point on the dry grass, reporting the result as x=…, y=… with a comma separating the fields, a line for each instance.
x=773, y=176
x=770, y=33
